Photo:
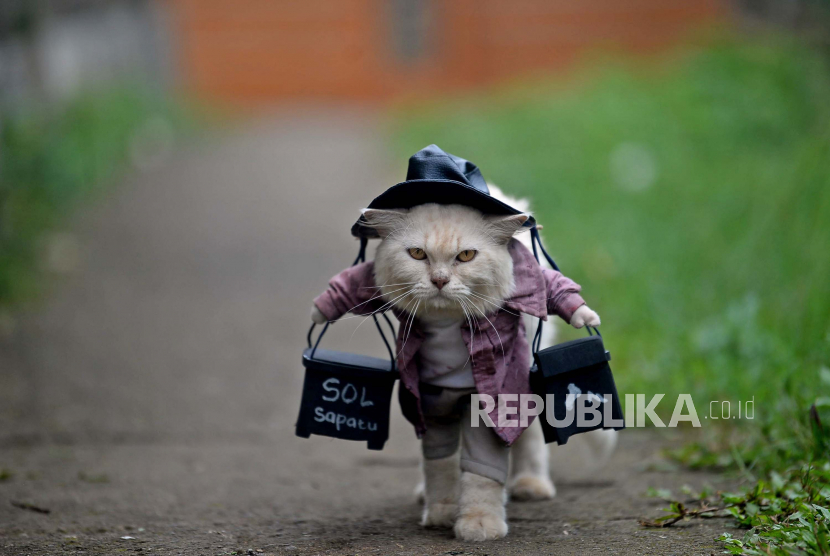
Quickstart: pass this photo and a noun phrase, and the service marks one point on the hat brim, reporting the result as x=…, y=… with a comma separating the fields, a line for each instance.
x=412, y=193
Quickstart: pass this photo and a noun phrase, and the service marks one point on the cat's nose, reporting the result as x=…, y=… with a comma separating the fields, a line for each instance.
x=439, y=281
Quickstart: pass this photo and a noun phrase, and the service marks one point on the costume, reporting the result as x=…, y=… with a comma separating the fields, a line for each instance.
x=499, y=352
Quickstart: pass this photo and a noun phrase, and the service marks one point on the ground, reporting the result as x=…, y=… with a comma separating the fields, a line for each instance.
x=148, y=401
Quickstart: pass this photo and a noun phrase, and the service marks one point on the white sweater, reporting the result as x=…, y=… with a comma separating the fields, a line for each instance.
x=445, y=360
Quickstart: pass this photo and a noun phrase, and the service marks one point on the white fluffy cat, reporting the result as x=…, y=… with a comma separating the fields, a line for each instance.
x=428, y=249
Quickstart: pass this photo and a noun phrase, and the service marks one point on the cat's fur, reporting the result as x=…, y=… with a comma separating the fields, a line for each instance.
x=472, y=504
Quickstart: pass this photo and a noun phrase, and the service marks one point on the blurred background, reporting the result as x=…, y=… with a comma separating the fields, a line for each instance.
x=178, y=178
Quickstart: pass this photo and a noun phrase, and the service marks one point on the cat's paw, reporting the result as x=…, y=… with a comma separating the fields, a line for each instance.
x=420, y=492
x=480, y=525
x=531, y=487
x=439, y=515
x=584, y=315
x=316, y=316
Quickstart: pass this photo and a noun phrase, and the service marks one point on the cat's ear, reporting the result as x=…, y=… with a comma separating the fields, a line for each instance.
x=384, y=221
x=502, y=228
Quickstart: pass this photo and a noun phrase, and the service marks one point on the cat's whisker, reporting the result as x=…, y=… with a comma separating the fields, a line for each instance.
x=487, y=296
x=372, y=299
x=411, y=322
x=382, y=308
x=474, y=318
x=472, y=305
x=461, y=305
x=499, y=300
x=503, y=357
x=404, y=325
x=406, y=308
x=488, y=284
x=379, y=309
x=472, y=296
x=396, y=290
x=468, y=315
x=469, y=323
x=498, y=306
x=472, y=338
x=389, y=285
x=390, y=304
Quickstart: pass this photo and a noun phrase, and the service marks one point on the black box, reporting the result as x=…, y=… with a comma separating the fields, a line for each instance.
x=578, y=368
x=346, y=396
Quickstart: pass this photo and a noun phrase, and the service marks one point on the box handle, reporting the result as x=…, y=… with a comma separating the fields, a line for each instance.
x=361, y=256
x=534, y=240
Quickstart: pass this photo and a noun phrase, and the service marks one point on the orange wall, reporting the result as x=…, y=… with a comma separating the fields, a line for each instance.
x=257, y=52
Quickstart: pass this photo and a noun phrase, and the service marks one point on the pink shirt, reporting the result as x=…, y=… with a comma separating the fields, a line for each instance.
x=538, y=292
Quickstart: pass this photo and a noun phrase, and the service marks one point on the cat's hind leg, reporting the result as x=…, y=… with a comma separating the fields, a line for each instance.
x=529, y=471
x=420, y=489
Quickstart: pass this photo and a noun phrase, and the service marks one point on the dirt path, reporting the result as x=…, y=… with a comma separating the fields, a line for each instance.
x=149, y=403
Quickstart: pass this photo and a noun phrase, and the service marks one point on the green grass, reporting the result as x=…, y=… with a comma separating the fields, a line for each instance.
x=51, y=158
x=692, y=202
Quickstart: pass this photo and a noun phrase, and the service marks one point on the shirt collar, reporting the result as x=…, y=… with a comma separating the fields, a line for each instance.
x=529, y=291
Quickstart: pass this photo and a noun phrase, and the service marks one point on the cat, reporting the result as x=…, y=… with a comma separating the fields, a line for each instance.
x=441, y=267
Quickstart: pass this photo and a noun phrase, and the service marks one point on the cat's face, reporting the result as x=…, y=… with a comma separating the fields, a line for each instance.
x=443, y=261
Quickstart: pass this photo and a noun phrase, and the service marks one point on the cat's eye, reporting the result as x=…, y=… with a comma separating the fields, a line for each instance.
x=417, y=253
x=467, y=255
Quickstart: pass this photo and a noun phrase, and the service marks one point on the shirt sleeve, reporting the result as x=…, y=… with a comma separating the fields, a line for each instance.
x=352, y=290
x=562, y=294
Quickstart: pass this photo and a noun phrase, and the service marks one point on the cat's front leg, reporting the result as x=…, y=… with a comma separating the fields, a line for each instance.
x=317, y=317
x=481, y=514
x=584, y=315
x=440, y=491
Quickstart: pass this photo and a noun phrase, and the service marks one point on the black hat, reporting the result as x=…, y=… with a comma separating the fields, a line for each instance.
x=435, y=176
